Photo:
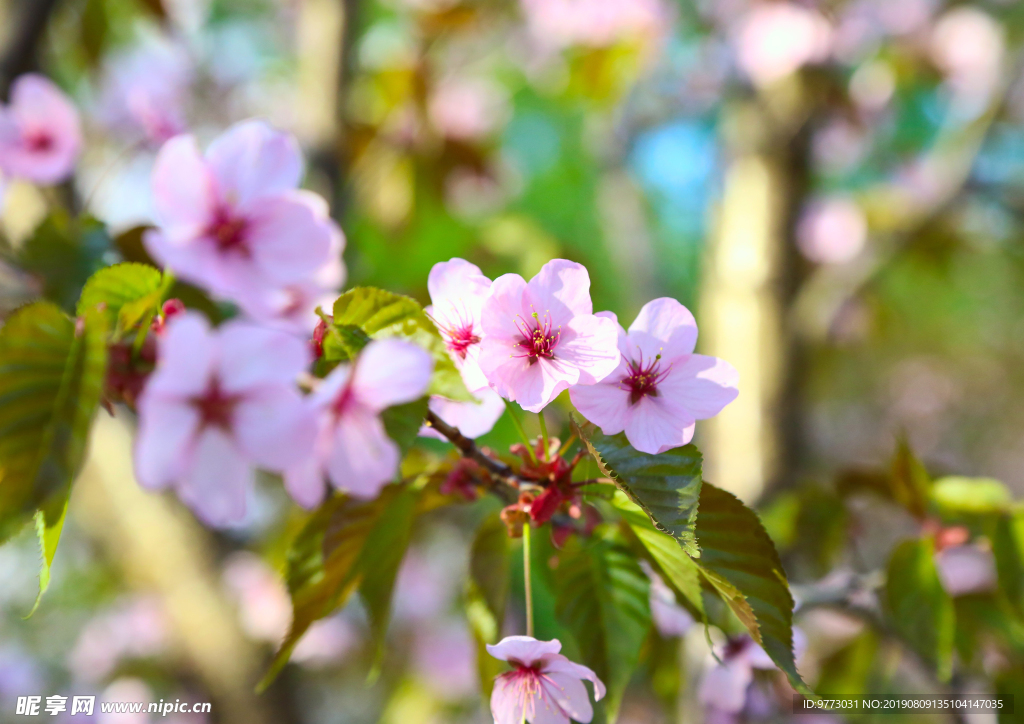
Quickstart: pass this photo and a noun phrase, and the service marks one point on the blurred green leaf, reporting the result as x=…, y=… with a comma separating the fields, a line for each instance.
x=971, y=495
x=922, y=612
x=487, y=594
x=910, y=480
x=130, y=295
x=381, y=314
x=736, y=550
x=64, y=252
x=403, y=422
x=665, y=486
x=603, y=601
x=846, y=673
x=1008, y=548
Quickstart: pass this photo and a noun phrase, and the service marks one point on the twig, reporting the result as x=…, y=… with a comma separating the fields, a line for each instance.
x=468, y=448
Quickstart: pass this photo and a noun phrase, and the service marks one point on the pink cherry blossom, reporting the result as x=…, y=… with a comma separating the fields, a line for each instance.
x=293, y=306
x=669, y=617
x=725, y=683
x=473, y=419
x=967, y=568
x=219, y=403
x=233, y=221
x=543, y=686
x=660, y=388
x=542, y=337
x=457, y=293
x=40, y=133
x=350, y=446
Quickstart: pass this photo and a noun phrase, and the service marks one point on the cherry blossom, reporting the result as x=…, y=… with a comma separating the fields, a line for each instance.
x=726, y=681
x=40, y=133
x=350, y=446
x=233, y=221
x=293, y=306
x=660, y=388
x=541, y=336
x=458, y=290
x=543, y=686
x=219, y=403
x=473, y=419
x=966, y=568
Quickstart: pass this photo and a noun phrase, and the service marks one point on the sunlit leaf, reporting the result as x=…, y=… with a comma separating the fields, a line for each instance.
x=1008, y=548
x=129, y=294
x=971, y=495
x=921, y=609
x=665, y=486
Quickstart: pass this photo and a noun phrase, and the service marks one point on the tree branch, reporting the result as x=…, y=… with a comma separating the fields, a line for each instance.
x=499, y=470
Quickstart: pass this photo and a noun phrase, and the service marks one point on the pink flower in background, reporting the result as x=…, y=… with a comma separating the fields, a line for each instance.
x=473, y=419
x=457, y=293
x=40, y=133
x=219, y=403
x=778, y=38
x=350, y=445
x=542, y=337
x=134, y=629
x=543, y=686
x=444, y=658
x=832, y=230
x=293, y=307
x=669, y=617
x=467, y=109
x=598, y=23
x=724, y=685
x=967, y=568
x=233, y=221
x=660, y=388
x=145, y=89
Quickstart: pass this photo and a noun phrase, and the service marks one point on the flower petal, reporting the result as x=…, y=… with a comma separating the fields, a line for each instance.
x=605, y=404
x=164, y=440
x=38, y=107
x=655, y=424
x=275, y=428
x=362, y=457
x=566, y=697
x=562, y=665
x=724, y=686
x=456, y=282
x=502, y=309
x=251, y=160
x=251, y=356
x=506, y=701
x=290, y=236
x=562, y=288
x=665, y=327
x=306, y=482
x=218, y=483
x=187, y=358
x=473, y=419
x=701, y=385
x=590, y=343
x=524, y=649
x=390, y=371
x=183, y=189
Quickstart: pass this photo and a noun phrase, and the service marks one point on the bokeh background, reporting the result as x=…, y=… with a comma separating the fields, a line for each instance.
x=836, y=189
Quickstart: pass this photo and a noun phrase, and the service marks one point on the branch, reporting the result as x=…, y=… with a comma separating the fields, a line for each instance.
x=508, y=492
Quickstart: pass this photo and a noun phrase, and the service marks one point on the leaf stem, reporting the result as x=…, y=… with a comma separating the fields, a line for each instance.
x=544, y=435
x=527, y=584
x=519, y=428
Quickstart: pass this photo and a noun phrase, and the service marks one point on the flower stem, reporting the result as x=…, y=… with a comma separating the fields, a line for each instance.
x=544, y=434
x=519, y=428
x=527, y=579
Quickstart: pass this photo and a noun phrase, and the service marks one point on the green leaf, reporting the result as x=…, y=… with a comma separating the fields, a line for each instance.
x=740, y=561
x=130, y=294
x=603, y=601
x=487, y=594
x=403, y=422
x=1008, y=548
x=922, y=612
x=910, y=480
x=381, y=314
x=49, y=524
x=665, y=486
x=64, y=252
x=971, y=495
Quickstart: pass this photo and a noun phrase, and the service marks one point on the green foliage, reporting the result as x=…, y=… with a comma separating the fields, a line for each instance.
x=487, y=593
x=922, y=611
x=1008, y=548
x=402, y=422
x=910, y=481
x=740, y=561
x=380, y=314
x=959, y=495
x=130, y=295
x=63, y=253
x=603, y=601
x=666, y=486
x=51, y=380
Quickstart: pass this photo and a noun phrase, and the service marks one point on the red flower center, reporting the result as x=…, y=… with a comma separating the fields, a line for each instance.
x=539, y=337
x=216, y=407
x=228, y=231
x=643, y=379
x=457, y=331
x=38, y=140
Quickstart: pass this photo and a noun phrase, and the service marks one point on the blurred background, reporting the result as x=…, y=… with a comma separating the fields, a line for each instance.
x=836, y=189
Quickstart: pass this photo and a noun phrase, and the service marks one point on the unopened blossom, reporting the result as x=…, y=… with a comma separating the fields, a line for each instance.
x=543, y=686
x=219, y=404
x=541, y=337
x=232, y=220
x=660, y=388
x=40, y=132
x=350, y=446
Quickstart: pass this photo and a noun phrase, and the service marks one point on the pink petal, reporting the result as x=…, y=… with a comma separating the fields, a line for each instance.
x=39, y=107
x=534, y=385
x=665, y=327
x=389, y=372
x=187, y=358
x=605, y=404
x=473, y=419
x=758, y=658
x=183, y=190
x=163, y=443
x=724, y=687
x=472, y=375
x=561, y=665
x=456, y=282
x=502, y=308
x=306, y=482
x=966, y=569
x=562, y=288
x=197, y=260
x=546, y=710
x=251, y=161
x=275, y=428
x=218, y=484
x=506, y=702
x=590, y=343
x=290, y=236
x=654, y=425
x=252, y=356
x=701, y=385
x=524, y=649
x=363, y=458
x=565, y=697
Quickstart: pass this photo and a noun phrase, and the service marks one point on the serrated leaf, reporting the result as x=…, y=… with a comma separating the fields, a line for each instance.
x=971, y=495
x=665, y=486
x=603, y=601
x=130, y=294
x=381, y=314
x=740, y=561
x=49, y=524
x=487, y=593
x=922, y=611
